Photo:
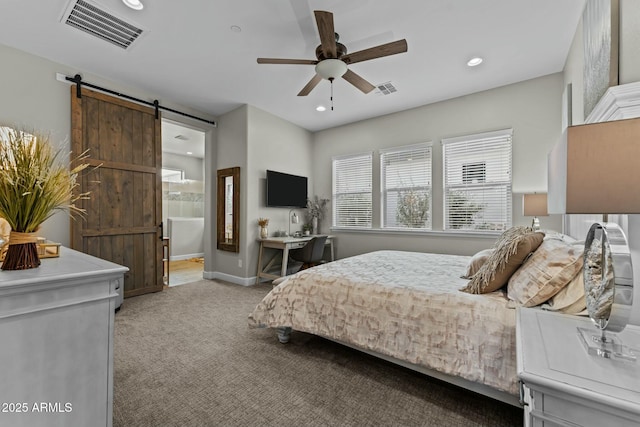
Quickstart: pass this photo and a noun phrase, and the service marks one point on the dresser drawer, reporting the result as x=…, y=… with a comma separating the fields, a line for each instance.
x=551, y=410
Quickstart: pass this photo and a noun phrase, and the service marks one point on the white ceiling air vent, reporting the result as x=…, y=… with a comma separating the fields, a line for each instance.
x=91, y=19
x=386, y=88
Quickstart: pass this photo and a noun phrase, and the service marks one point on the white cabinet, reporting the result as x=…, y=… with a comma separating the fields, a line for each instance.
x=56, y=342
x=565, y=386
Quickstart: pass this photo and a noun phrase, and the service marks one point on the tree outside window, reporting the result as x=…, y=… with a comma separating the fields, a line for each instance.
x=413, y=209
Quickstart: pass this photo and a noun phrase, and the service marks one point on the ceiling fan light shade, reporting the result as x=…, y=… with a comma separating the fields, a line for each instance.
x=331, y=68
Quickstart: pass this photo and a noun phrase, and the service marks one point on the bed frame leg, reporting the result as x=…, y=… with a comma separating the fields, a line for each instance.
x=284, y=333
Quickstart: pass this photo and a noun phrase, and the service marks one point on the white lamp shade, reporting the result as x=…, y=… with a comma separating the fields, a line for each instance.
x=331, y=68
x=534, y=204
x=595, y=169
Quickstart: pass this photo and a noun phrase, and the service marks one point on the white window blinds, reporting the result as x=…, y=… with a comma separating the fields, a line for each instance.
x=477, y=181
x=352, y=205
x=406, y=187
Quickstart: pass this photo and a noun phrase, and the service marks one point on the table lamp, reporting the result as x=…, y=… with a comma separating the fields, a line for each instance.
x=534, y=205
x=594, y=170
x=293, y=219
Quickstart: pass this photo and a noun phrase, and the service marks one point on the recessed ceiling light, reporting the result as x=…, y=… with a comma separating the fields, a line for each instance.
x=321, y=108
x=236, y=28
x=133, y=4
x=189, y=152
x=474, y=61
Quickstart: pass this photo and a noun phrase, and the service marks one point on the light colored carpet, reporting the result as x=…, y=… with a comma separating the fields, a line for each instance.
x=186, y=357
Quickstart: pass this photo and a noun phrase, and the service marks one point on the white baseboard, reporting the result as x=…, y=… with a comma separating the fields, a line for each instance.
x=187, y=256
x=244, y=281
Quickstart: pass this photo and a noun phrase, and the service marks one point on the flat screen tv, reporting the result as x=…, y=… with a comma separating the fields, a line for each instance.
x=285, y=190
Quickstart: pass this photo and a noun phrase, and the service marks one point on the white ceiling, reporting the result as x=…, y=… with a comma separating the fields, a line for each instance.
x=182, y=140
x=190, y=55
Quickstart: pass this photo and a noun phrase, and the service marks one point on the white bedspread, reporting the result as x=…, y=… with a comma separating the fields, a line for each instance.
x=406, y=305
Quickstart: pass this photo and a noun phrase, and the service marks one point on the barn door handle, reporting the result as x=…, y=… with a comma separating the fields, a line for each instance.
x=161, y=230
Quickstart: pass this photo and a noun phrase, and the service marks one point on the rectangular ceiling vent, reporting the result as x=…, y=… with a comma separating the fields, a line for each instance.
x=91, y=19
x=386, y=88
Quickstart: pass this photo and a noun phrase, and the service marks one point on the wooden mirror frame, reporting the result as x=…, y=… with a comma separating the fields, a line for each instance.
x=231, y=244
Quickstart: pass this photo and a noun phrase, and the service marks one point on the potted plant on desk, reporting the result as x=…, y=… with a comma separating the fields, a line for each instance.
x=315, y=211
x=306, y=229
x=264, y=231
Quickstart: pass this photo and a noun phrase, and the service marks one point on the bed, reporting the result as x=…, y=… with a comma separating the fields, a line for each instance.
x=405, y=307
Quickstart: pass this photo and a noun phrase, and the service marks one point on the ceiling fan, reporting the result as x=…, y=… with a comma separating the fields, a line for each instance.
x=333, y=59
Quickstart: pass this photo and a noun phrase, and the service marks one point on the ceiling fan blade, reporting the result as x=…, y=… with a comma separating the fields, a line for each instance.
x=287, y=61
x=358, y=81
x=399, y=46
x=327, y=32
x=309, y=86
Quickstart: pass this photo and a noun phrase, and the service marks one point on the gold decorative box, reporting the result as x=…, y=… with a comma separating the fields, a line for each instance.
x=47, y=249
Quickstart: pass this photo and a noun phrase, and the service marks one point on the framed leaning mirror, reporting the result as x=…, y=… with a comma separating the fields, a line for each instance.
x=228, y=209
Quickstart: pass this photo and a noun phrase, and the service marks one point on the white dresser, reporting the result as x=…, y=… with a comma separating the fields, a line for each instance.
x=56, y=342
x=565, y=386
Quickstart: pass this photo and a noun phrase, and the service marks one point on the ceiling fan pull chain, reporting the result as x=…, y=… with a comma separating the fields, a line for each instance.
x=331, y=81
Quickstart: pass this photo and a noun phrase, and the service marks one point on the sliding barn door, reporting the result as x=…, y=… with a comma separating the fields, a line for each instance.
x=124, y=212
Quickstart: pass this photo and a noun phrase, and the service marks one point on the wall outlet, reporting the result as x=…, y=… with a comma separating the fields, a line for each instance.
x=239, y=263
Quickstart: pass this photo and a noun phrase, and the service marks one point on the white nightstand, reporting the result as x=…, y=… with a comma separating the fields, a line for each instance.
x=562, y=385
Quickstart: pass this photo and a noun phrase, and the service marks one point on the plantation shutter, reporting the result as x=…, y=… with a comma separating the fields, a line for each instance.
x=352, y=176
x=406, y=187
x=477, y=181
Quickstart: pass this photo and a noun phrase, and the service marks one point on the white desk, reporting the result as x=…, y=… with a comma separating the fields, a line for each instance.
x=284, y=244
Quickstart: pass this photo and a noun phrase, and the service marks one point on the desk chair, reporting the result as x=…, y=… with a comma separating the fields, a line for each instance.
x=311, y=253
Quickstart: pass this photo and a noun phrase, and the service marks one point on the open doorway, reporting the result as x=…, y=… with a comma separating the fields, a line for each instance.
x=183, y=192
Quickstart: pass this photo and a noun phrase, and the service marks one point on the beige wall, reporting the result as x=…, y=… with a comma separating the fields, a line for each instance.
x=629, y=59
x=629, y=72
x=232, y=151
x=629, y=41
x=279, y=145
x=256, y=141
x=193, y=167
x=32, y=97
x=532, y=108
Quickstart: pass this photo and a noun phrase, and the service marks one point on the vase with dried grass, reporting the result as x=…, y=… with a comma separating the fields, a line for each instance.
x=35, y=182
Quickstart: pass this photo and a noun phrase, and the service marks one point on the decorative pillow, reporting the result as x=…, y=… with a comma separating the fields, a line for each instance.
x=510, y=251
x=546, y=272
x=476, y=262
x=570, y=299
x=551, y=234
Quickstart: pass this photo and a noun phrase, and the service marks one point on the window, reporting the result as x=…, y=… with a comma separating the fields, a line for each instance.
x=352, y=177
x=477, y=181
x=172, y=175
x=405, y=175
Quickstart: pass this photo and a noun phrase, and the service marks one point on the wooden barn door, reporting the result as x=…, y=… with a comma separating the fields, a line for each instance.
x=124, y=212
